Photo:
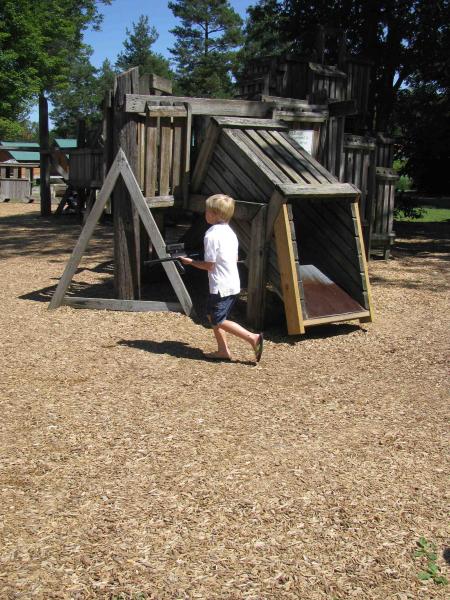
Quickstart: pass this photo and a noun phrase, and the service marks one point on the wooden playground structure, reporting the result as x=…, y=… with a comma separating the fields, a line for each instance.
x=314, y=193
x=298, y=225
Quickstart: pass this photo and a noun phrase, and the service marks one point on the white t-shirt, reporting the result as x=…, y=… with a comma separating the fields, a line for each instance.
x=221, y=248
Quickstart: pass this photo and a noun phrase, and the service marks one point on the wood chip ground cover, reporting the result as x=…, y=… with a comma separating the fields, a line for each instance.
x=133, y=468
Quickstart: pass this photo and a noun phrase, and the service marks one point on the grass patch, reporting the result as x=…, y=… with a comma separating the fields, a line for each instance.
x=428, y=214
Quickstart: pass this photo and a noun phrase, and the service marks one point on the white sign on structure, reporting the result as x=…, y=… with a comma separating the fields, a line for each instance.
x=303, y=137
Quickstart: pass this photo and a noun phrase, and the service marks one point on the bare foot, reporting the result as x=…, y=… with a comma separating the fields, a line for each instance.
x=217, y=356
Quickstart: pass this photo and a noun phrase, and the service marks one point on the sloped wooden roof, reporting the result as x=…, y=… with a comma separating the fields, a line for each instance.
x=250, y=158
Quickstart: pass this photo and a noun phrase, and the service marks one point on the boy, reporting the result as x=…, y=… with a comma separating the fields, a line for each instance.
x=220, y=260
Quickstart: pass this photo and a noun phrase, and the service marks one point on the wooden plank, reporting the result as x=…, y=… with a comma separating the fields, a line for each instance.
x=165, y=155
x=121, y=305
x=159, y=201
x=236, y=150
x=301, y=116
x=257, y=262
x=141, y=156
x=361, y=316
x=186, y=163
x=127, y=243
x=86, y=232
x=137, y=103
x=222, y=183
x=205, y=156
x=177, y=156
x=268, y=146
x=246, y=123
x=275, y=203
x=156, y=238
x=288, y=273
x=160, y=84
x=244, y=211
x=301, y=165
x=265, y=161
x=151, y=156
x=331, y=190
x=234, y=171
x=165, y=111
x=355, y=213
x=315, y=168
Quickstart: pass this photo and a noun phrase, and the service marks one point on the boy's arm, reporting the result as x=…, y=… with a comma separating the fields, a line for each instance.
x=198, y=264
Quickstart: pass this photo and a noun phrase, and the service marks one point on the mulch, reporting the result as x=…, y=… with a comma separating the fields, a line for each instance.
x=133, y=468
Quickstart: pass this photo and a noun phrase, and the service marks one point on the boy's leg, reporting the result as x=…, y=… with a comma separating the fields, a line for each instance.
x=221, y=339
x=239, y=331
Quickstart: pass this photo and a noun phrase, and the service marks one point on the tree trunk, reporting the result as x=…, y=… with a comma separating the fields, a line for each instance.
x=45, y=164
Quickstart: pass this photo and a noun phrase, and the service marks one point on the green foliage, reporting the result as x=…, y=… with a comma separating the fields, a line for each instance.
x=137, y=51
x=17, y=130
x=404, y=182
x=38, y=42
x=423, y=117
x=427, y=552
x=80, y=99
x=205, y=47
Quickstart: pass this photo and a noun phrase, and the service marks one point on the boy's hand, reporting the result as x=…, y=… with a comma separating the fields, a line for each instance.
x=186, y=260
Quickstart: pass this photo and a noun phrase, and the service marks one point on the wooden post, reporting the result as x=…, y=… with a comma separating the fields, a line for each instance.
x=288, y=273
x=127, y=272
x=46, y=202
x=257, y=259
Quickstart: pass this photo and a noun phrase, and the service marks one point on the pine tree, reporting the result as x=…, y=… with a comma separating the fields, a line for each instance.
x=205, y=47
x=138, y=53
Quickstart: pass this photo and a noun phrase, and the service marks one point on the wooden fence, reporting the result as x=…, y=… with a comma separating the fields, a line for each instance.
x=383, y=235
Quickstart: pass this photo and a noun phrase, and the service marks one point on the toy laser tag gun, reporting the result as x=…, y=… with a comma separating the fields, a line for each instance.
x=175, y=251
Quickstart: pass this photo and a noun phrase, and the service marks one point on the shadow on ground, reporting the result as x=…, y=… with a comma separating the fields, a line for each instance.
x=174, y=348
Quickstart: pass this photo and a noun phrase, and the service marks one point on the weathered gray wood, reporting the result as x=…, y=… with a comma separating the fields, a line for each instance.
x=121, y=166
x=331, y=190
x=301, y=116
x=263, y=140
x=151, y=156
x=165, y=111
x=342, y=108
x=121, y=305
x=160, y=201
x=160, y=84
x=275, y=203
x=177, y=155
x=157, y=239
x=242, y=143
x=244, y=211
x=308, y=173
x=165, y=156
x=205, y=156
x=262, y=184
x=218, y=181
x=127, y=243
x=246, y=123
x=87, y=231
x=15, y=188
x=186, y=163
x=311, y=163
x=257, y=262
x=247, y=188
x=265, y=161
x=136, y=103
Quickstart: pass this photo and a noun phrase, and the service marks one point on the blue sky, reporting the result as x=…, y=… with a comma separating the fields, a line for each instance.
x=121, y=14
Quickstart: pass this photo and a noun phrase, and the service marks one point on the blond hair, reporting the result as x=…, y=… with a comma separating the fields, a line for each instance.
x=221, y=205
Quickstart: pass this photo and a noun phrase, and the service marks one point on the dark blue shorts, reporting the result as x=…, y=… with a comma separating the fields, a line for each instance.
x=218, y=308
